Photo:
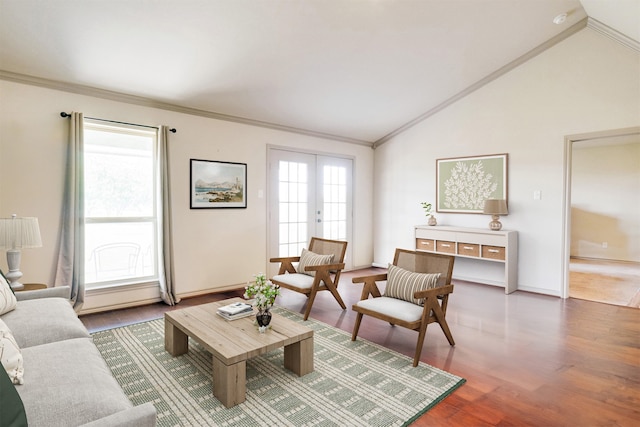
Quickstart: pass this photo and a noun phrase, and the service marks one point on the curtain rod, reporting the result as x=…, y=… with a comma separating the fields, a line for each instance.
x=66, y=115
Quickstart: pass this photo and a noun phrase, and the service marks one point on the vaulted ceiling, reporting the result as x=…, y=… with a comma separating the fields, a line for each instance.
x=353, y=70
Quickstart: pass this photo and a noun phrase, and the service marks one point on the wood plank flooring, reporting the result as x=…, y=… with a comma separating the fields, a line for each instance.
x=529, y=360
x=611, y=282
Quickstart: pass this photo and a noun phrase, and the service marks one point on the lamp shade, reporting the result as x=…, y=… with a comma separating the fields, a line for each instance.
x=495, y=207
x=17, y=233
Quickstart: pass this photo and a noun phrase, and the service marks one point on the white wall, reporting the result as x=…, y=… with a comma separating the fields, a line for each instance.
x=214, y=248
x=586, y=83
x=605, y=201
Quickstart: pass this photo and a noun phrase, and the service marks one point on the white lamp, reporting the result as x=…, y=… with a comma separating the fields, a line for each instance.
x=495, y=208
x=15, y=234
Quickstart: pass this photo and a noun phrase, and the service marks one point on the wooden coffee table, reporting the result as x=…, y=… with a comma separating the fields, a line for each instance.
x=231, y=343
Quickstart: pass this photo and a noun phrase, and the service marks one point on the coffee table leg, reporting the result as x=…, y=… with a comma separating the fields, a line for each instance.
x=229, y=382
x=176, y=342
x=298, y=357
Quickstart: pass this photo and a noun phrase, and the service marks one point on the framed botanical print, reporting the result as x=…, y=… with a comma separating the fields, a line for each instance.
x=464, y=183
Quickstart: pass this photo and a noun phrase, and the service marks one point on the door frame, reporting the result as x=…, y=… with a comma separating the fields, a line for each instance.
x=269, y=196
x=569, y=140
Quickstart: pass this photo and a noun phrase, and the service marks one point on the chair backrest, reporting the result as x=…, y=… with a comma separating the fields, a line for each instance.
x=426, y=262
x=325, y=247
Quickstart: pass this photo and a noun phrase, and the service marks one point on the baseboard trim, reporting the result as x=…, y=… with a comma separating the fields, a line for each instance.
x=111, y=307
x=211, y=291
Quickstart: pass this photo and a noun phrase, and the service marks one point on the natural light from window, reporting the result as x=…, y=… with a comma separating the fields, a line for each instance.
x=120, y=205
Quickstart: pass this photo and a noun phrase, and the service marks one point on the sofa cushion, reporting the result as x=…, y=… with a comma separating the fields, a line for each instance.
x=40, y=321
x=402, y=284
x=12, y=413
x=308, y=258
x=10, y=356
x=7, y=297
x=68, y=383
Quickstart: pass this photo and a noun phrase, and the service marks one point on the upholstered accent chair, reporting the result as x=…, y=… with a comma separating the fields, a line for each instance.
x=318, y=269
x=416, y=294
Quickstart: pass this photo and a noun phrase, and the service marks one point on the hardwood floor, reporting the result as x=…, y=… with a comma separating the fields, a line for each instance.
x=529, y=360
x=611, y=282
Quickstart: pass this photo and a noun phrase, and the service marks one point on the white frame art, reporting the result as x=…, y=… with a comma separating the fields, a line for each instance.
x=215, y=184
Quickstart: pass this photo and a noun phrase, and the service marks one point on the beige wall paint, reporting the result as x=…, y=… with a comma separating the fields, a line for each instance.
x=605, y=201
x=586, y=83
x=214, y=249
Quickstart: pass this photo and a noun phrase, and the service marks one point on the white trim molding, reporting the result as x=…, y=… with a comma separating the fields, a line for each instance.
x=615, y=35
x=152, y=103
x=486, y=80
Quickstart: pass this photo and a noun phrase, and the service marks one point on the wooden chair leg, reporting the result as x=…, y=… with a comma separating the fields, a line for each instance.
x=445, y=328
x=421, y=334
x=337, y=296
x=312, y=297
x=356, y=327
x=442, y=321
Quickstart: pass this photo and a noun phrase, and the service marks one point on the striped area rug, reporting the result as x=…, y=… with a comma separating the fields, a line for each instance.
x=354, y=383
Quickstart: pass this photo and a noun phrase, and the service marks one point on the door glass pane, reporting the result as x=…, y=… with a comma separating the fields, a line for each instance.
x=293, y=207
x=334, y=202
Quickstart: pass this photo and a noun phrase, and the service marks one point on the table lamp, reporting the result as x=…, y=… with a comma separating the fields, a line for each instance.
x=16, y=234
x=495, y=208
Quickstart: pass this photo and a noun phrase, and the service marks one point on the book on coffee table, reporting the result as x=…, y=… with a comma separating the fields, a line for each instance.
x=235, y=311
x=235, y=316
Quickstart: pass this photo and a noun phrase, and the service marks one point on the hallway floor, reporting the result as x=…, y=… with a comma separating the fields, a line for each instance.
x=611, y=282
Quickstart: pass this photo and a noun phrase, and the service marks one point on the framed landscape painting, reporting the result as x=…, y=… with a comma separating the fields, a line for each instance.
x=217, y=184
x=463, y=183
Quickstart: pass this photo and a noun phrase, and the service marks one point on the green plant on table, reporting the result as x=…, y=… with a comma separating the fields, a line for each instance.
x=263, y=291
x=427, y=208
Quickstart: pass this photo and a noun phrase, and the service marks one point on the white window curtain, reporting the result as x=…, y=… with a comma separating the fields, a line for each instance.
x=70, y=270
x=165, y=242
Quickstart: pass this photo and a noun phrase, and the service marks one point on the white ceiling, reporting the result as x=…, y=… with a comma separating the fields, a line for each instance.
x=355, y=69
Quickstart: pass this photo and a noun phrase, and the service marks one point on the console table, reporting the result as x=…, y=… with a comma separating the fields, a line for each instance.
x=482, y=244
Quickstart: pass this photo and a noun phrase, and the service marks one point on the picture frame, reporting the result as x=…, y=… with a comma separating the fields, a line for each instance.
x=216, y=184
x=463, y=183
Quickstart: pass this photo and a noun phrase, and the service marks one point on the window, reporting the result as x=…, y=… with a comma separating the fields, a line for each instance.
x=121, y=204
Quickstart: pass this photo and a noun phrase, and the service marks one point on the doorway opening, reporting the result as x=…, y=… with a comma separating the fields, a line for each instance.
x=310, y=195
x=602, y=217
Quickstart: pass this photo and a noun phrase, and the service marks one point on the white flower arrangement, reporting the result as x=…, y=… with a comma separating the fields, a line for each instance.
x=263, y=291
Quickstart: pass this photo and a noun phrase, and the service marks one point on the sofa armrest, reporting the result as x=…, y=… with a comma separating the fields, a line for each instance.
x=57, y=292
x=139, y=416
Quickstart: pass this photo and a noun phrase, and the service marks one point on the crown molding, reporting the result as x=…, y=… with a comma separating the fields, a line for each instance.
x=152, y=103
x=617, y=36
x=486, y=80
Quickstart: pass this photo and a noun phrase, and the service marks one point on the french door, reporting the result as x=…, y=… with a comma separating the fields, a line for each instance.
x=310, y=196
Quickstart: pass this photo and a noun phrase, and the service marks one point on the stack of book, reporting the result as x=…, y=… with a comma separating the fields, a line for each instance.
x=235, y=311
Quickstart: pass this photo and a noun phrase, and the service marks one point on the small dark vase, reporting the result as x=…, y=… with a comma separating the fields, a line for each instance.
x=263, y=317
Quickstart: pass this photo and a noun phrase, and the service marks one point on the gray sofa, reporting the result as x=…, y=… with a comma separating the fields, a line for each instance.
x=66, y=381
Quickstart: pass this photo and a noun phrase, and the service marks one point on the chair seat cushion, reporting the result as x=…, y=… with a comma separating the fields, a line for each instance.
x=392, y=307
x=295, y=280
x=308, y=258
x=402, y=284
